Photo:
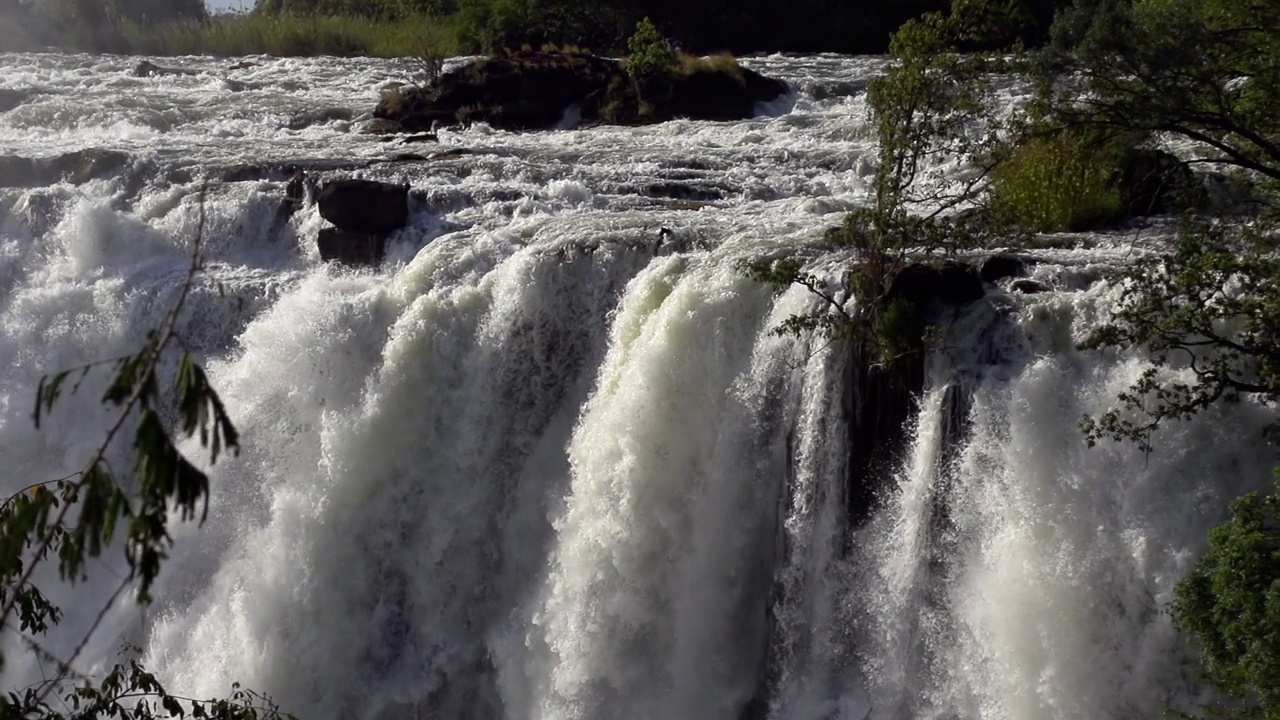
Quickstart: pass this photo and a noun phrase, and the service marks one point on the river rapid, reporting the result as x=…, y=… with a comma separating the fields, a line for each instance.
x=537, y=467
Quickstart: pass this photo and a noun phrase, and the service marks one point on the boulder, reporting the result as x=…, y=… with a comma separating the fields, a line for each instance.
x=350, y=248
x=12, y=97
x=1155, y=182
x=1028, y=287
x=999, y=267
x=549, y=90
x=949, y=283
x=146, y=68
x=365, y=206
x=77, y=168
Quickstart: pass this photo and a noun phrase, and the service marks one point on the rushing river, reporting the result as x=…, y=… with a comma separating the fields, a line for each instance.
x=537, y=467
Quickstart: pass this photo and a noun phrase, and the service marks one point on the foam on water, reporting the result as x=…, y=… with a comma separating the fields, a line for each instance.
x=545, y=464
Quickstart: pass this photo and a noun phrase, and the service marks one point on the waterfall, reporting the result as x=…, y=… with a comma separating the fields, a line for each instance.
x=540, y=466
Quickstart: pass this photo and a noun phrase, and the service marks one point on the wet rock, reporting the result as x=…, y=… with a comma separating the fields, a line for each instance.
x=534, y=91
x=13, y=97
x=40, y=211
x=999, y=267
x=243, y=65
x=77, y=168
x=146, y=68
x=365, y=206
x=319, y=117
x=1028, y=287
x=350, y=248
x=948, y=283
x=381, y=126
x=1155, y=182
x=683, y=191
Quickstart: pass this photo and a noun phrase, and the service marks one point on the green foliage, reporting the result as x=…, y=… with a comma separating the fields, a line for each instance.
x=1057, y=183
x=75, y=519
x=419, y=36
x=924, y=107
x=650, y=56
x=1206, y=70
x=129, y=692
x=493, y=26
x=1230, y=603
x=1212, y=308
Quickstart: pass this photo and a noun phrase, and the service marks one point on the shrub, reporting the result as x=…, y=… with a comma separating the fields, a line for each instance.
x=1231, y=604
x=1057, y=184
x=650, y=55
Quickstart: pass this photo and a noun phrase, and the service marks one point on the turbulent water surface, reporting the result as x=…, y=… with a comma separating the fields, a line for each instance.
x=541, y=465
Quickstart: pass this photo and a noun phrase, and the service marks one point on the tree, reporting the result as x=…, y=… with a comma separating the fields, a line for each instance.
x=926, y=105
x=1231, y=603
x=73, y=519
x=1207, y=71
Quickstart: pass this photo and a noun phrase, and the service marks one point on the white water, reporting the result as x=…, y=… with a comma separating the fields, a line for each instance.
x=533, y=469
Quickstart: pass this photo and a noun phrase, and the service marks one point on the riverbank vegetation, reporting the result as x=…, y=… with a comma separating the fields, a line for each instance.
x=390, y=28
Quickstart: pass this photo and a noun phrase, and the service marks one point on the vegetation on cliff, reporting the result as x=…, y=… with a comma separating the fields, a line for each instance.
x=530, y=90
x=1118, y=78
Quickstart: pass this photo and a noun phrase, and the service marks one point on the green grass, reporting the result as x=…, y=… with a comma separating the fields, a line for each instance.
x=293, y=35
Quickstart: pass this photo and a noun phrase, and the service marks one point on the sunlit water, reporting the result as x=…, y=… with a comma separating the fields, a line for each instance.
x=538, y=466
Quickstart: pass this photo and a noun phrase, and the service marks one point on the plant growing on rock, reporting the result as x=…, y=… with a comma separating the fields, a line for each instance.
x=652, y=65
x=922, y=108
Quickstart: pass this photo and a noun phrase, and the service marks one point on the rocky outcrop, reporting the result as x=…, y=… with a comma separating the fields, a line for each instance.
x=1028, y=287
x=1155, y=182
x=364, y=213
x=12, y=97
x=538, y=91
x=77, y=168
x=999, y=267
x=883, y=392
x=146, y=68
x=927, y=286
x=365, y=206
x=350, y=248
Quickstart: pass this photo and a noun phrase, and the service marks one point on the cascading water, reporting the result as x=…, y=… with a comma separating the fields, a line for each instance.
x=545, y=466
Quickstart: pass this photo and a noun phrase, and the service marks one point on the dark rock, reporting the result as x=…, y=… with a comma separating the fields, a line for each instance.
x=319, y=117
x=883, y=392
x=365, y=206
x=683, y=191
x=297, y=190
x=146, y=68
x=1155, y=182
x=708, y=94
x=12, y=98
x=421, y=138
x=381, y=126
x=406, y=157
x=999, y=267
x=538, y=91
x=350, y=248
x=1028, y=287
x=243, y=65
x=40, y=211
x=949, y=283
x=77, y=168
